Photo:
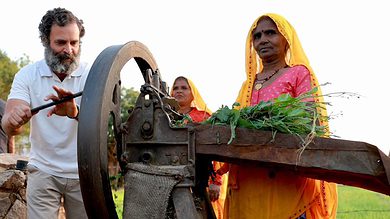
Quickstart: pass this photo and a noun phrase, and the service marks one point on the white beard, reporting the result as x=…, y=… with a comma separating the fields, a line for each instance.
x=56, y=61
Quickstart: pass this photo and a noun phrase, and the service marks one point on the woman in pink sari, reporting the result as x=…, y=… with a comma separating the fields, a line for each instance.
x=276, y=64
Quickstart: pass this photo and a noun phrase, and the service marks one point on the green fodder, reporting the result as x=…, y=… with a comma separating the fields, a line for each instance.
x=118, y=200
x=359, y=203
x=284, y=114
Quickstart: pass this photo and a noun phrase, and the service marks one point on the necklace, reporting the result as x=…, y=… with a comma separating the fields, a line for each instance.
x=259, y=82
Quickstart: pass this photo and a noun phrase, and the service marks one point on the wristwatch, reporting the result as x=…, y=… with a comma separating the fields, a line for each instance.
x=77, y=115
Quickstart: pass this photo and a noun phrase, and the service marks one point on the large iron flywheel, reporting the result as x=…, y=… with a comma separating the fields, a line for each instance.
x=101, y=100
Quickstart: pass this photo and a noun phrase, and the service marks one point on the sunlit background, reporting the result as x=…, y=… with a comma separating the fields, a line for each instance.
x=347, y=43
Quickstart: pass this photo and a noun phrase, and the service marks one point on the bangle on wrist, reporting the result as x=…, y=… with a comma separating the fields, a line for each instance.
x=77, y=115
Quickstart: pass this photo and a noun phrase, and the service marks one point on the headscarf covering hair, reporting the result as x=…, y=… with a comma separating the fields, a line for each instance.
x=294, y=56
x=198, y=101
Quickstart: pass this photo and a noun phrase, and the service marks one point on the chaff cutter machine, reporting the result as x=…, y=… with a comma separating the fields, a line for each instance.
x=166, y=168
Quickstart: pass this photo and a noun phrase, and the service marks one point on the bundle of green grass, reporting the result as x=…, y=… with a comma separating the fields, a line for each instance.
x=284, y=114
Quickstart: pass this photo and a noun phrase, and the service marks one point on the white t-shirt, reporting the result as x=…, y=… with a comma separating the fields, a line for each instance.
x=53, y=139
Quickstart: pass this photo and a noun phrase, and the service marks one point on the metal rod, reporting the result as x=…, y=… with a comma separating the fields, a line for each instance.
x=64, y=99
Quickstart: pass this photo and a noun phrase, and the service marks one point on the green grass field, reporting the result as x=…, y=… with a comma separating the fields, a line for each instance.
x=354, y=203
x=359, y=203
x=118, y=196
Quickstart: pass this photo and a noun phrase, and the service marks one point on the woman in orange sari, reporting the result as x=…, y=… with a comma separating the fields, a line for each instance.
x=276, y=64
x=192, y=104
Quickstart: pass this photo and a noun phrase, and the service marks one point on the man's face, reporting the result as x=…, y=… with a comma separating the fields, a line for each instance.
x=63, y=53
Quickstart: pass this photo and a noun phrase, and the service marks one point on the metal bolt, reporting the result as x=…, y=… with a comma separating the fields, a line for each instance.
x=147, y=157
x=175, y=159
x=146, y=126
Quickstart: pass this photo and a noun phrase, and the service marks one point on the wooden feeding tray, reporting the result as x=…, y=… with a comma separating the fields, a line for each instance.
x=352, y=163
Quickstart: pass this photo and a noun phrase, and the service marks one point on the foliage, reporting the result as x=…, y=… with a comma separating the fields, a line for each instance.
x=284, y=114
x=8, y=69
x=118, y=196
x=182, y=122
x=128, y=100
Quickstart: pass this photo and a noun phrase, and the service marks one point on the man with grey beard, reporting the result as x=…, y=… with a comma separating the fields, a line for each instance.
x=52, y=169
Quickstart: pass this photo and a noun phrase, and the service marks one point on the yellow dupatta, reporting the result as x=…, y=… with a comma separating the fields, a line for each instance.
x=295, y=56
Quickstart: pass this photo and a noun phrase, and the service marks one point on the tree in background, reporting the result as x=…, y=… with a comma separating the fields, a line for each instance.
x=128, y=98
x=8, y=69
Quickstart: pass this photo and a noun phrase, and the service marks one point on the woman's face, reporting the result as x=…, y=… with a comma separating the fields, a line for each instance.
x=268, y=42
x=182, y=93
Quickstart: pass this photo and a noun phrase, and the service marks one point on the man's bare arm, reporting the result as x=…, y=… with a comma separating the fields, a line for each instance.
x=17, y=113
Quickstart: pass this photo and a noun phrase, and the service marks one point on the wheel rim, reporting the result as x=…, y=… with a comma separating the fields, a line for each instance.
x=101, y=98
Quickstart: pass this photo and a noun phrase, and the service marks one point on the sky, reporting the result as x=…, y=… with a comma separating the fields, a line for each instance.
x=345, y=41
